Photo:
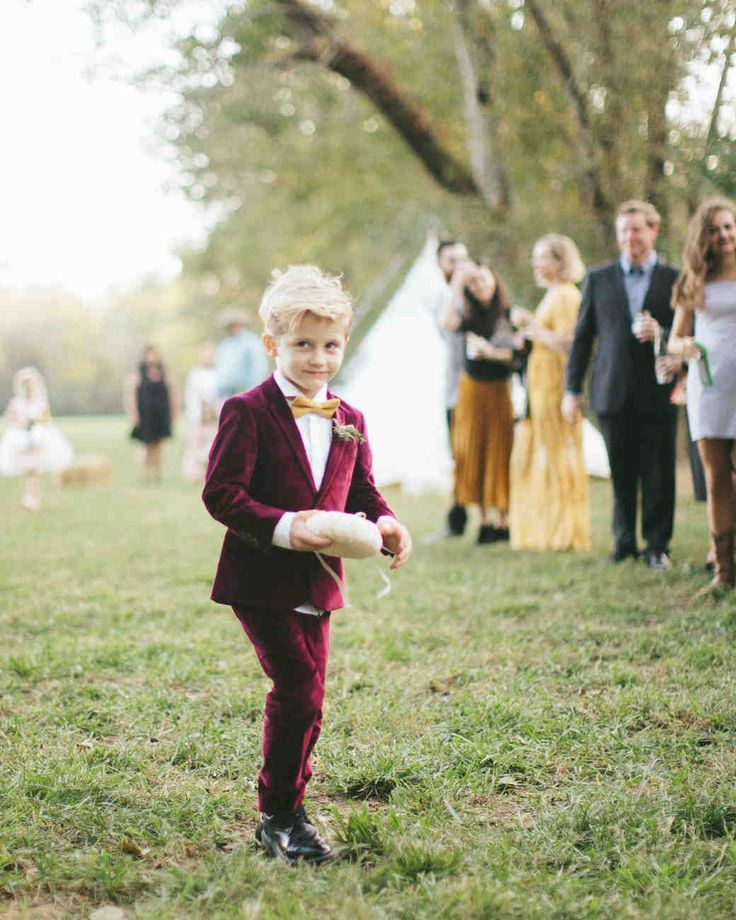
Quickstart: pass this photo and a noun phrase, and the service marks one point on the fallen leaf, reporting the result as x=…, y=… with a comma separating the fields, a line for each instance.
x=132, y=848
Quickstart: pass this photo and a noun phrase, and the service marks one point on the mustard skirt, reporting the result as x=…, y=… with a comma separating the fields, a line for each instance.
x=482, y=437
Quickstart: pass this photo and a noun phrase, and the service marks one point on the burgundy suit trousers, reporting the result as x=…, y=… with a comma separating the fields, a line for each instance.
x=292, y=649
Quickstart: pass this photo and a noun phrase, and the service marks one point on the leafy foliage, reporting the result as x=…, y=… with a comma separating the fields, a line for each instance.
x=589, y=104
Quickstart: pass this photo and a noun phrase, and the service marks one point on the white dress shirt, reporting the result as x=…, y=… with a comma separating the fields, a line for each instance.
x=316, y=434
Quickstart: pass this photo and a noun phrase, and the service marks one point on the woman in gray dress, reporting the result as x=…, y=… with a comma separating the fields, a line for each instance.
x=704, y=334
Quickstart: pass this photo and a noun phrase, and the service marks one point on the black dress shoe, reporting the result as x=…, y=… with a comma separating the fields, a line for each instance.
x=291, y=836
x=658, y=561
x=457, y=518
x=619, y=553
x=489, y=533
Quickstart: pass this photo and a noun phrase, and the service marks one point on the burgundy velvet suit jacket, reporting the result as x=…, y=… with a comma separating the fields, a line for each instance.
x=258, y=469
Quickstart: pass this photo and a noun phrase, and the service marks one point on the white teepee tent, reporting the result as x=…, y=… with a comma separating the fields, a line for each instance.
x=397, y=380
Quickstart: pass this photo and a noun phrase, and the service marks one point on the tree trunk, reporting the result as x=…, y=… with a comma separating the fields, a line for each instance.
x=611, y=137
x=655, y=178
x=592, y=184
x=474, y=55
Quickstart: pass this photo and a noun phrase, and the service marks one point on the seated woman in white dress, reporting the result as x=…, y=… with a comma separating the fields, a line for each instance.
x=704, y=334
x=31, y=444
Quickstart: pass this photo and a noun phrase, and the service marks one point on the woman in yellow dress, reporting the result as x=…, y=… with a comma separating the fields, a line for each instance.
x=549, y=507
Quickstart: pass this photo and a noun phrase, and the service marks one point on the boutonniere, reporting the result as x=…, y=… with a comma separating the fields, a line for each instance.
x=347, y=432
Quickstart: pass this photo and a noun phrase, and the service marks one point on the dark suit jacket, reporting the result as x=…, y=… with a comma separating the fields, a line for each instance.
x=258, y=469
x=623, y=369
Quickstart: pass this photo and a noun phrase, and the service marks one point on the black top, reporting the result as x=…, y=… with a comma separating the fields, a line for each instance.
x=623, y=368
x=154, y=409
x=495, y=328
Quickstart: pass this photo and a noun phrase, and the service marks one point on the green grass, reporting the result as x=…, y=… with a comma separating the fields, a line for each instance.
x=506, y=735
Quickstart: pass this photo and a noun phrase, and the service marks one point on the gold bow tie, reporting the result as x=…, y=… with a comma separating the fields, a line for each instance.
x=300, y=406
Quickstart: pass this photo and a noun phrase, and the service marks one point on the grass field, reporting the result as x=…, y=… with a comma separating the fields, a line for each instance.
x=506, y=735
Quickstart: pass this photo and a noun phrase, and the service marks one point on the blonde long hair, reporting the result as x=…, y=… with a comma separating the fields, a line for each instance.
x=698, y=259
x=567, y=255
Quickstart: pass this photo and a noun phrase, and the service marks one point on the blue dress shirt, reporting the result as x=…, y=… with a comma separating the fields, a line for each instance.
x=240, y=363
x=636, y=281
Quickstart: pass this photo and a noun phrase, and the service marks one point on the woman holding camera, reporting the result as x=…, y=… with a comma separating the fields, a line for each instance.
x=483, y=424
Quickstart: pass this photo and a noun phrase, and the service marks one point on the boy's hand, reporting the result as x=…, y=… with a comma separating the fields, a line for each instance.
x=397, y=540
x=301, y=537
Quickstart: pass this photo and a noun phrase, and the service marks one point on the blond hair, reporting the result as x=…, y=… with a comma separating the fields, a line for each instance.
x=567, y=255
x=303, y=289
x=636, y=206
x=698, y=259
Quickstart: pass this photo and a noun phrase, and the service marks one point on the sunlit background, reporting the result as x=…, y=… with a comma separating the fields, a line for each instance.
x=89, y=200
x=157, y=167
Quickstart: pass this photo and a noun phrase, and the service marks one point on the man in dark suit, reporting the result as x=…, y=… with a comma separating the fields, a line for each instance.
x=626, y=307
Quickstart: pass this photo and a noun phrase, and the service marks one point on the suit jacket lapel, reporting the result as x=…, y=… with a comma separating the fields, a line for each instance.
x=622, y=298
x=279, y=408
x=336, y=452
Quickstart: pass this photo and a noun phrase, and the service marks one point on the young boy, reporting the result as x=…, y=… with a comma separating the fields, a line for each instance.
x=274, y=462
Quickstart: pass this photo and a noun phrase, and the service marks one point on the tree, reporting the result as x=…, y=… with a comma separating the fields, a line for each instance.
x=525, y=116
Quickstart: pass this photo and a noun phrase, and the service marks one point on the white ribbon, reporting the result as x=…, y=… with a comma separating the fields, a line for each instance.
x=384, y=592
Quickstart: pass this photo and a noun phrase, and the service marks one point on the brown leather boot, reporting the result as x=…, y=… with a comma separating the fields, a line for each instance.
x=724, y=564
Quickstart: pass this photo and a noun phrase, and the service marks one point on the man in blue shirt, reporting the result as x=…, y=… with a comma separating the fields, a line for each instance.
x=241, y=362
x=626, y=308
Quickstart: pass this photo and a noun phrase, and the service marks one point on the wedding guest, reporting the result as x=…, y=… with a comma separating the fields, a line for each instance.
x=483, y=421
x=151, y=405
x=626, y=308
x=31, y=443
x=449, y=254
x=704, y=334
x=240, y=361
x=200, y=413
x=549, y=484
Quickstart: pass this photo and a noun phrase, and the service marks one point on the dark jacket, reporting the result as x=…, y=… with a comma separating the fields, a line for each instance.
x=623, y=368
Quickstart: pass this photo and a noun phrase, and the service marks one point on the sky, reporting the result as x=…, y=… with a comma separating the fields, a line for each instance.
x=85, y=202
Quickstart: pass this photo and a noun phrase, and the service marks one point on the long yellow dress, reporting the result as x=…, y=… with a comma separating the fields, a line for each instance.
x=549, y=485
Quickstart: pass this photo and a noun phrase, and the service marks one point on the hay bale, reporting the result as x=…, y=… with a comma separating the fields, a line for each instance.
x=86, y=470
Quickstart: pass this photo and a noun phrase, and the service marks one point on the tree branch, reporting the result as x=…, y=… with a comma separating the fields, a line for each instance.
x=484, y=159
x=593, y=183
x=319, y=43
x=562, y=62
x=715, y=114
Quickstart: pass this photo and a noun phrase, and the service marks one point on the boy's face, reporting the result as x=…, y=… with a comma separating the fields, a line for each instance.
x=312, y=354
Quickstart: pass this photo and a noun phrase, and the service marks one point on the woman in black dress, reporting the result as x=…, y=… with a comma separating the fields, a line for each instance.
x=151, y=407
